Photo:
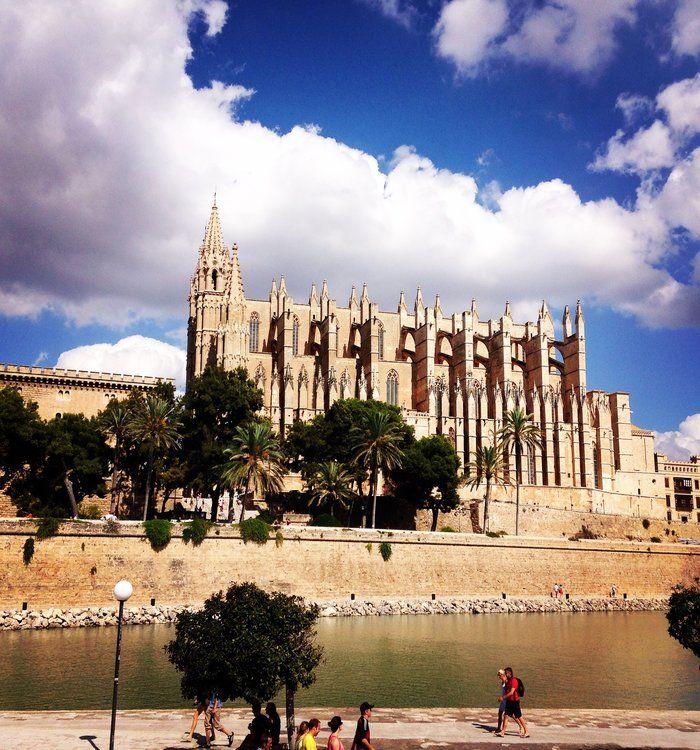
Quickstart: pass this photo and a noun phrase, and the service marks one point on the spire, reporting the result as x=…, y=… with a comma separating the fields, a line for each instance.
x=507, y=314
x=313, y=297
x=283, y=285
x=419, y=308
x=438, y=306
x=236, y=291
x=566, y=322
x=273, y=288
x=324, y=290
x=402, y=303
x=213, y=242
x=580, y=326
x=474, y=310
x=353, y=297
x=363, y=296
x=544, y=311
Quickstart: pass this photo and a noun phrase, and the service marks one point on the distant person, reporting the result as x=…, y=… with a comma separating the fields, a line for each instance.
x=613, y=591
x=299, y=739
x=310, y=736
x=502, y=698
x=260, y=722
x=200, y=705
x=212, y=720
x=336, y=725
x=514, y=692
x=265, y=741
x=275, y=723
x=362, y=739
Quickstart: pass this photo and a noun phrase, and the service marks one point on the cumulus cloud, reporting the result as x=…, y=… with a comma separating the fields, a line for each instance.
x=682, y=443
x=646, y=150
x=575, y=35
x=686, y=28
x=114, y=156
x=402, y=12
x=133, y=355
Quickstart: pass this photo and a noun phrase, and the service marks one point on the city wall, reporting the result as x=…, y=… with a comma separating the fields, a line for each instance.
x=80, y=566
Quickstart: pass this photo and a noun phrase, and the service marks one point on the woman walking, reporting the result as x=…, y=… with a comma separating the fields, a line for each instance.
x=301, y=732
x=334, y=743
x=502, y=699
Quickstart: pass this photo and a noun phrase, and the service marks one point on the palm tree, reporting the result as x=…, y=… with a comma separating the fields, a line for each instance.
x=330, y=484
x=519, y=434
x=154, y=424
x=254, y=461
x=488, y=467
x=114, y=424
x=377, y=449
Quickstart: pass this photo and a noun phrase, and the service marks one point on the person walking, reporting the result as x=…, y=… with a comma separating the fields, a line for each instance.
x=514, y=692
x=212, y=720
x=363, y=737
x=275, y=723
x=301, y=731
x=310, y=737
x=200, y=705
x=336, y=725
x=502, y=698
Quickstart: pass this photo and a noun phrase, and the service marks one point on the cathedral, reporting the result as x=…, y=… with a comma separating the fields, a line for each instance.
x=451, y=374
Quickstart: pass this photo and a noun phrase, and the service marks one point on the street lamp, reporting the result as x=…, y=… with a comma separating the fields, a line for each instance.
x=122, y=591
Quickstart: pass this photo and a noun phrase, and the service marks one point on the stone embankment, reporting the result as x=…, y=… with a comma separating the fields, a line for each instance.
x=89, y=617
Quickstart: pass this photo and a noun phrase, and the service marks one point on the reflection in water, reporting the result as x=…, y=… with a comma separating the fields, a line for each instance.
x=593, y=660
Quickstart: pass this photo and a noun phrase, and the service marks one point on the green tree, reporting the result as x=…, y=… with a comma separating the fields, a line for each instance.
x=331, y=486
x=683, y=616
x=378, y=448
x=217, y=402
x=254, y=461
x=154, y=425
x=114, y=423
x=519, y=434
x=487, y=467
x=429, y=476
x=247, y=644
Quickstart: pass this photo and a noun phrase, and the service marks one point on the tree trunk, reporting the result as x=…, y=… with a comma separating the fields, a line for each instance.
x=214, y=505
x=517, y=488
x=487, y=497
x=242, y=518
x=147, y=497
x=71, y=495
x=374, y=498
x=289, y=713
x=113, y=489
x=436, y=513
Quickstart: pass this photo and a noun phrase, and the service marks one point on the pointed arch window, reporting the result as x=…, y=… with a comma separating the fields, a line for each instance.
x=295, y=336
x=254, y=332
x=380, y=341
x=214, y=279
x=392, y=388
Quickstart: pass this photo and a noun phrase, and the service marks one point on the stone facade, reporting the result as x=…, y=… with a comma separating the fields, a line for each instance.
x=58, y=391
x=454, y=375
x=681, y=486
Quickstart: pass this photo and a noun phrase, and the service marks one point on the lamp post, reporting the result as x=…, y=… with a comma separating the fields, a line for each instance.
x=122, y=591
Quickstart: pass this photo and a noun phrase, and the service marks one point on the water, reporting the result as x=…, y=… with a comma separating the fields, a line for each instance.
x=592, y=660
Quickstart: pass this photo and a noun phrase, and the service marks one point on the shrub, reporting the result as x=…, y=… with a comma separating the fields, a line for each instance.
x=47, y=527
x=195, y=531
x=28, y=551
x=91, y=511
x=112, y=526
x=448, y=528
x=645, y=523
x=268, y=517
x=325, y=519
x=279, y=539
x=368, y=547
x=255, y=530
x=656, y=539
x=158, y=533
x=495, y=534
x=385, y=551
x=585, y=533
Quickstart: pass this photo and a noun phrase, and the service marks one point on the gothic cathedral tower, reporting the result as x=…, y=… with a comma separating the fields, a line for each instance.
x=216, y=330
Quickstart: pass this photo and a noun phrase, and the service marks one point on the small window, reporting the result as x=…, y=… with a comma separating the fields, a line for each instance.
x=295, y=336
x=666, y=482
x=214, y=279
x=254, y=333
x=392, y=388
x=668, y=501
x=668, y=515
x=380, y=341
x=697, y=484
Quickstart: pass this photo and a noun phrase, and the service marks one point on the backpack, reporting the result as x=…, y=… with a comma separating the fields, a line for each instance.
x=521, y=687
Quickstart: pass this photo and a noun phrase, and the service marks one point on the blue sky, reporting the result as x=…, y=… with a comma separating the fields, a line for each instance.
x=374, y=75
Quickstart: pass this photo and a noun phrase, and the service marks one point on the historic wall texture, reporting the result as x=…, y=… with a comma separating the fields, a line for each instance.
x=80, y=566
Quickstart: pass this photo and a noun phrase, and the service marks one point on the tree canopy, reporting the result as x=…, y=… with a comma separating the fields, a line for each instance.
x=684, y=616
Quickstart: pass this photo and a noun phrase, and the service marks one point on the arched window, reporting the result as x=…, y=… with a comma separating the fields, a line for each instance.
x=531, y=473
x=452, y=436
x=392, y=388
x=254, y=333
x=295, y=336
x=214, y=279
x=380, y=341
x=596, y=468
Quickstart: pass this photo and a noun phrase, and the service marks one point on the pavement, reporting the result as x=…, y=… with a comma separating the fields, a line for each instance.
x=392, y=729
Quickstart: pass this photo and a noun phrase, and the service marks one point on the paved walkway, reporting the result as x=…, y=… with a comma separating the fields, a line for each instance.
x=393, y=729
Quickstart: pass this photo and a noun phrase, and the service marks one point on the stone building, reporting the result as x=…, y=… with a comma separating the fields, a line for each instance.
x=58, y=391
x=451, y=374
x=681, y=485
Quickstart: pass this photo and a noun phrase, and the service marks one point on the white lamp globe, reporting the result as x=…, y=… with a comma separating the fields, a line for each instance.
x=123, y=590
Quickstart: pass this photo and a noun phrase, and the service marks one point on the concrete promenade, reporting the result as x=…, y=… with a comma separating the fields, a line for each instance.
x=392, y=729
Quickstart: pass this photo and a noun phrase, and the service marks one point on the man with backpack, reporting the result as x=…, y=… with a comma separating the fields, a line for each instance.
x=515, y=690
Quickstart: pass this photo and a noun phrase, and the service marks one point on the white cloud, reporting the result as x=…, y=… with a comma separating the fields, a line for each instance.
x=634, y=106
x=114, y=156
x=686, y=28
x=133, y=355
x=575, y=35
x=682, y=443
x=402, y=12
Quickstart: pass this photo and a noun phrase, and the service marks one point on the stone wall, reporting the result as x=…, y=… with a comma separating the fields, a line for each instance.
x=79, y=567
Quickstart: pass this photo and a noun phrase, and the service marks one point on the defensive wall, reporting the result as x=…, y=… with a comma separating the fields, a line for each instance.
x=80, y=565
